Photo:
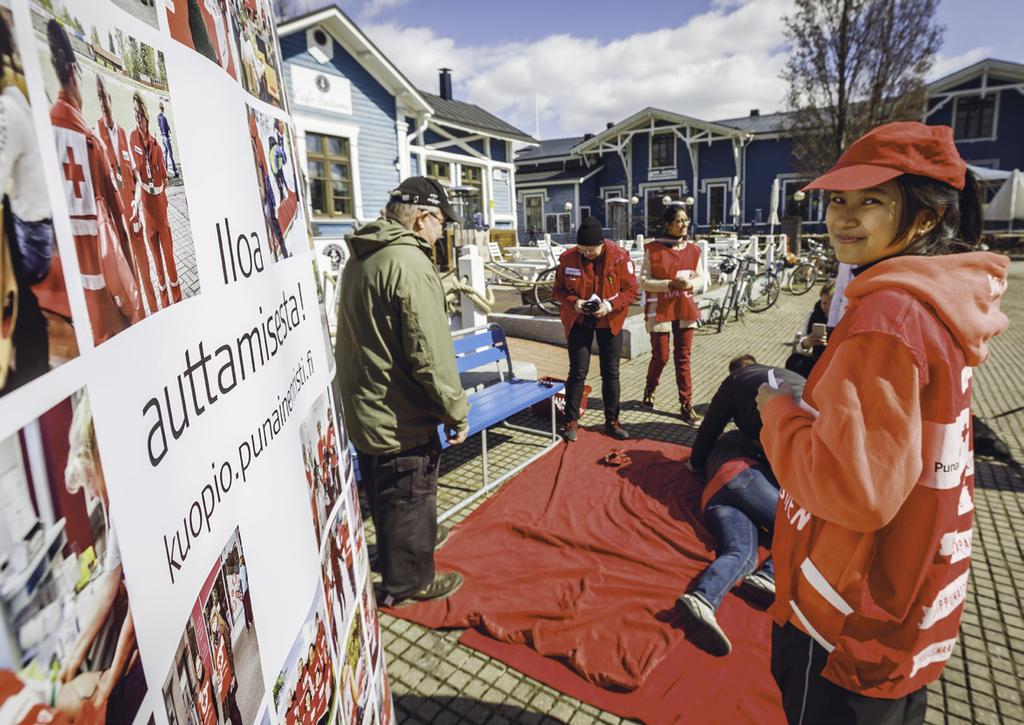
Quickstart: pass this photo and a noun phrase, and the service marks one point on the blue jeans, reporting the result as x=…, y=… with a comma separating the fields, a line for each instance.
x=735, y=516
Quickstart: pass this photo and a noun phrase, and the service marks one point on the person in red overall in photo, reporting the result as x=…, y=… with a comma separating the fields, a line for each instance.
x=668, y=276
x=151, y=202
x=595, y=284
x=206, y=709
x=92, y=199
x=119, y=165
x=224, y=664
x=873, y=531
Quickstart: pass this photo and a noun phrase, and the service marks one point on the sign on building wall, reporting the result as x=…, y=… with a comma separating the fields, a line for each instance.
x=322, y=91
x=180, y=531
x=661, y=174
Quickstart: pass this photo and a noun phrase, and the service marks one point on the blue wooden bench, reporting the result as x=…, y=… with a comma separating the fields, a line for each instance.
x=498, y=401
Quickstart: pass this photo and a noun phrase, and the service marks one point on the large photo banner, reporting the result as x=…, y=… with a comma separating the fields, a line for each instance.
x=181, y=539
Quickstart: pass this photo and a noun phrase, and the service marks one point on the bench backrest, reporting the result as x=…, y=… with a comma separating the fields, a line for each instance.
x=495, y=251
x=483, y=347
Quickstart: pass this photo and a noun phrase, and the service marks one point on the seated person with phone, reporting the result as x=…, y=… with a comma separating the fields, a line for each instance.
x=809, y=344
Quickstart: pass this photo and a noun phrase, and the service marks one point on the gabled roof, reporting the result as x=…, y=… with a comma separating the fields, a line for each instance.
x=645, y=117
x=765, y=123
x=473, y=117
x=553, y=176
x=549, y=147
x=340, y=25
x=990, y=66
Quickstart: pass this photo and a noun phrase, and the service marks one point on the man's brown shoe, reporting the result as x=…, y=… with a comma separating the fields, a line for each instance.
x=568, y=431
x=648, y=399
x=615, y=430
x=444, y=584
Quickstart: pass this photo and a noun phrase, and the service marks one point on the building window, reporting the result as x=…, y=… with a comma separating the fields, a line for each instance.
x=556, y=223
x=440, y=170
x=975, y=118
x=663, y=150
x=792, y=207
x=329, y=164
x=716, y=204
x=533, y=212
x=472, y=183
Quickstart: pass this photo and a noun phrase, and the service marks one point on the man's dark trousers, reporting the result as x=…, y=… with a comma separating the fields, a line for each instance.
x=402, y=492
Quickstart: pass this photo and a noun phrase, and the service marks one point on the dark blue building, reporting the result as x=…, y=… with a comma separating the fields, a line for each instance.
x=727, y=168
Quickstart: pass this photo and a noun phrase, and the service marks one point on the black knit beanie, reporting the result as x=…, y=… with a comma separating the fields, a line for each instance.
x=590, y=233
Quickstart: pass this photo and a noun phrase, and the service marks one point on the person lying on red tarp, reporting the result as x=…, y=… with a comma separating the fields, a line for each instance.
x=739, y=500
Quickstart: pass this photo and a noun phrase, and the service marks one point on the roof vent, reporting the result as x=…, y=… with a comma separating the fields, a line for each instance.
x=588, y=136
x=445, y=80
x=755, y=111
x=609, y=124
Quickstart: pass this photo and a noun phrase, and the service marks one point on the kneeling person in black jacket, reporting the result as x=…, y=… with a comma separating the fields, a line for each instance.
x=739, y=501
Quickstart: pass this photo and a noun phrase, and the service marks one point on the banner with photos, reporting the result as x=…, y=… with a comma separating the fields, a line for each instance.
x=180, y=538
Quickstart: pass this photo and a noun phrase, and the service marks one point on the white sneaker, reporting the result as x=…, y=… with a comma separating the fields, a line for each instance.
x=759, y=588
x=701, y=626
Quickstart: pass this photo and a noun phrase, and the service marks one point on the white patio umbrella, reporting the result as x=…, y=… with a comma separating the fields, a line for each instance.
x=773, y=217
x=735, y=211
x=1008, y=203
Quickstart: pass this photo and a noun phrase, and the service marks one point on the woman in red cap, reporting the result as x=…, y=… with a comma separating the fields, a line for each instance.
x=873, y=532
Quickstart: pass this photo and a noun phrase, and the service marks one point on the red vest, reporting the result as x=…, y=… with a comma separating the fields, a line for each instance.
x=610, y=276
x=666, y=263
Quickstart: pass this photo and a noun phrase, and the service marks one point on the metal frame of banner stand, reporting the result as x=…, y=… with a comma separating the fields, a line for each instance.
x=490, y=486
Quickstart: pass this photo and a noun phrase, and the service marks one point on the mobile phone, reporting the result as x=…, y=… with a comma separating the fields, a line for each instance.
x=819, y=329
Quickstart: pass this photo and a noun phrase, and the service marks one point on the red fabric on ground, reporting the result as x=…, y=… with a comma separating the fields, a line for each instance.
x=571, y=574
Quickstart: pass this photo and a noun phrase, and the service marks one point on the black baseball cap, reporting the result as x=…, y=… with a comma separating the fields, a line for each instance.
x=424, y=192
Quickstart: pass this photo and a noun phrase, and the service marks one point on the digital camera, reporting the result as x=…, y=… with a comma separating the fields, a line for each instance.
x=591, y=307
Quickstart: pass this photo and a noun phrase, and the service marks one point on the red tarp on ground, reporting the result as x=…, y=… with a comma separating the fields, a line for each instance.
x=286, y=214
x=571, y=574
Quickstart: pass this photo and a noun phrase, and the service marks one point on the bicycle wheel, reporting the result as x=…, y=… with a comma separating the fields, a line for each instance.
x=764, y=292
x=803, y=278
x=542, y=288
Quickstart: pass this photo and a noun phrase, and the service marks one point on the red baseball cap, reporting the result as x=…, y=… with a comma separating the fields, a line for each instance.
x=893, y=149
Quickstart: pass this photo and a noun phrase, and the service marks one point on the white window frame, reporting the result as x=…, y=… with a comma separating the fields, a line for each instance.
x=526, y=195
x=558, y=222
x=612, y=191
x=795, y=182
x=995, y=120
x=308, y=124
x=650, y=148
x=708, y=186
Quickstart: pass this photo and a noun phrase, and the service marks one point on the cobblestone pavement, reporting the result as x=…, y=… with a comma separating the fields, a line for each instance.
x=436, y=680
x=184, y=249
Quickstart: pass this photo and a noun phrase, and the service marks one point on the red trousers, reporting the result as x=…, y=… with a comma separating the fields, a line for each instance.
x=682, y=344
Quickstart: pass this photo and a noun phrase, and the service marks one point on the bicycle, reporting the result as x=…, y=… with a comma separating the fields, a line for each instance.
x=818, y=261
x=747, y=290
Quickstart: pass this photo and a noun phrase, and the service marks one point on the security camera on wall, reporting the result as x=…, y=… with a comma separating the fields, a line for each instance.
x=319, y=44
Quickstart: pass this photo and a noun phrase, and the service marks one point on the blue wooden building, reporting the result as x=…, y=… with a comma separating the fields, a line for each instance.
x=362, y=126
x=727, y=167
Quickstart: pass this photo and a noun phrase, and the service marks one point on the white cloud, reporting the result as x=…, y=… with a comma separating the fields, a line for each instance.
x=717, y=65
x=372, y=8
x=946, y=64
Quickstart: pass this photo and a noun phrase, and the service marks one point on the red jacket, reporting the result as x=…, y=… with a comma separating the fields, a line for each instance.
x=872, y=537
x=611, y=276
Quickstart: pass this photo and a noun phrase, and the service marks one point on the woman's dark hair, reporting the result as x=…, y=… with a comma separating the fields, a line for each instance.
x=670, y=212
x=60, y=50
x=957, y=214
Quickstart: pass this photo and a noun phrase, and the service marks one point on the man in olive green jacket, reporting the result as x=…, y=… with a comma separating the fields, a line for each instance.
x=396, y=369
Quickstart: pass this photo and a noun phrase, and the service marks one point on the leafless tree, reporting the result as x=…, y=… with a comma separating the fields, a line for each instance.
x=855, y=64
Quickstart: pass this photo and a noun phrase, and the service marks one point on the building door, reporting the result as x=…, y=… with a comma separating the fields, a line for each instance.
x=716, y=205
x=655, y=206
x=533, y=214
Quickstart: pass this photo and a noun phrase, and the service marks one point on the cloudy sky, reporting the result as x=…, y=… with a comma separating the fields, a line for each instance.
x=577, y=65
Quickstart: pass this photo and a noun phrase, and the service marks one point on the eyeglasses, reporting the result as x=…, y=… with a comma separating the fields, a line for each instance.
x=684, y=221
x=438, y=216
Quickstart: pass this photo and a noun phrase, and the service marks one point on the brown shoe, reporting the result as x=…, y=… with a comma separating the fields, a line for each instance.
x=615, y=430
x=689, y=415
x=648, y=400
x=568, y=431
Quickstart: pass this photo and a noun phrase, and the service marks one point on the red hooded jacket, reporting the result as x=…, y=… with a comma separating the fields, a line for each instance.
x=873, y=532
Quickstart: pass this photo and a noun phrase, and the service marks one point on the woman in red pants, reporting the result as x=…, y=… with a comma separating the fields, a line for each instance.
x=669, y=275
